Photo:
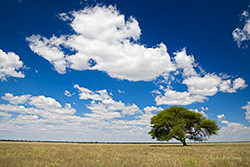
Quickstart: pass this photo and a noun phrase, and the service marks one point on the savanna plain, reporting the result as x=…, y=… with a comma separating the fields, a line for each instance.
x=32, y=154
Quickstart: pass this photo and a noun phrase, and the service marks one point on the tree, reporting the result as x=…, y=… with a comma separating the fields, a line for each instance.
x=180, y=123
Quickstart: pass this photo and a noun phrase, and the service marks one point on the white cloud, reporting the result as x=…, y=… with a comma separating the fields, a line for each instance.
x=239, y=83
x=15, y=99
x=185, y=62
x=39, y=114
x=224, y=122
x=120, y=91
x=106, y=24
x=245, y=14
x=141, y=120
x=104, y=122
x=204, y=108
x=44, y=102
x=105, y=104
x=247, y=108
x=5, y=114
x=104, y=41
x=13, y=108
x=233, y=132
x=221, y=117
x=41, y=105
x=225, y=86
x=171, y=97
x=199, y=83
x=240, y=35
x=114, y=113
x=152, y=108
x=9, y=64
x=204, y=86
x=198, y=90
x=49, y=49
x=86, y=94
x=67, y=93
x=201, y=112
x=145, y=118
x=101, y=111
x=107, y=120
x=64, y=17
x=229, y=87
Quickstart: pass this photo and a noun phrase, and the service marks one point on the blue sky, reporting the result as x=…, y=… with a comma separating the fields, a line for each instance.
x=99, y=70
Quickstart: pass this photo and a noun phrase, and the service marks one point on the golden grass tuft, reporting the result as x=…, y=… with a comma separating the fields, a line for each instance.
x=34, y=154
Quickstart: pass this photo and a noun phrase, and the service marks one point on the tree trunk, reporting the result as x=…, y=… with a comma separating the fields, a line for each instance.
x=184, y=142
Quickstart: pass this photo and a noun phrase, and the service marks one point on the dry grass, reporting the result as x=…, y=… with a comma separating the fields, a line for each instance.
x=111, y=155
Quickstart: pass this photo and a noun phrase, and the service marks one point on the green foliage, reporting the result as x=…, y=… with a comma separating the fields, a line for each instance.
x=181, y=124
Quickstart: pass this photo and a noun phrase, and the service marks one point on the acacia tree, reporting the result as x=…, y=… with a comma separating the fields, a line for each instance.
x=180, y=123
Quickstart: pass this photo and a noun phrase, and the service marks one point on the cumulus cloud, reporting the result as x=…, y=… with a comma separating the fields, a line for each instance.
x=9, y=64
x=104, y=105
x=152, y=108
x=225, y=122
x=107, y=119
x=120, y=91
x=39, y=115
x=229, y=87
x=106, y=114
x=44, y=102
x=233, y=131
x=67, y=93
x=15, y=99
x=185, y=62
x=41, y=105
x=242, y=34
x=200, y=84
x=198, y=89
x=4, y=114
x=204, y=108
x=172, y=97
x=247, y=108
x=145, y=118
x=221, y=117
x=49, y=49
x=201, y=112
x=141, y=120
x=104, y=40
x=205, y=86
x=86, y=94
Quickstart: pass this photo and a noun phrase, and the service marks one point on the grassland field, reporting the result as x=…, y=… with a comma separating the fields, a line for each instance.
x=33, y=154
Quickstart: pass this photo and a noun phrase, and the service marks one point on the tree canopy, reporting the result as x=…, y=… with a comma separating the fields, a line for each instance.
x=181, y=123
